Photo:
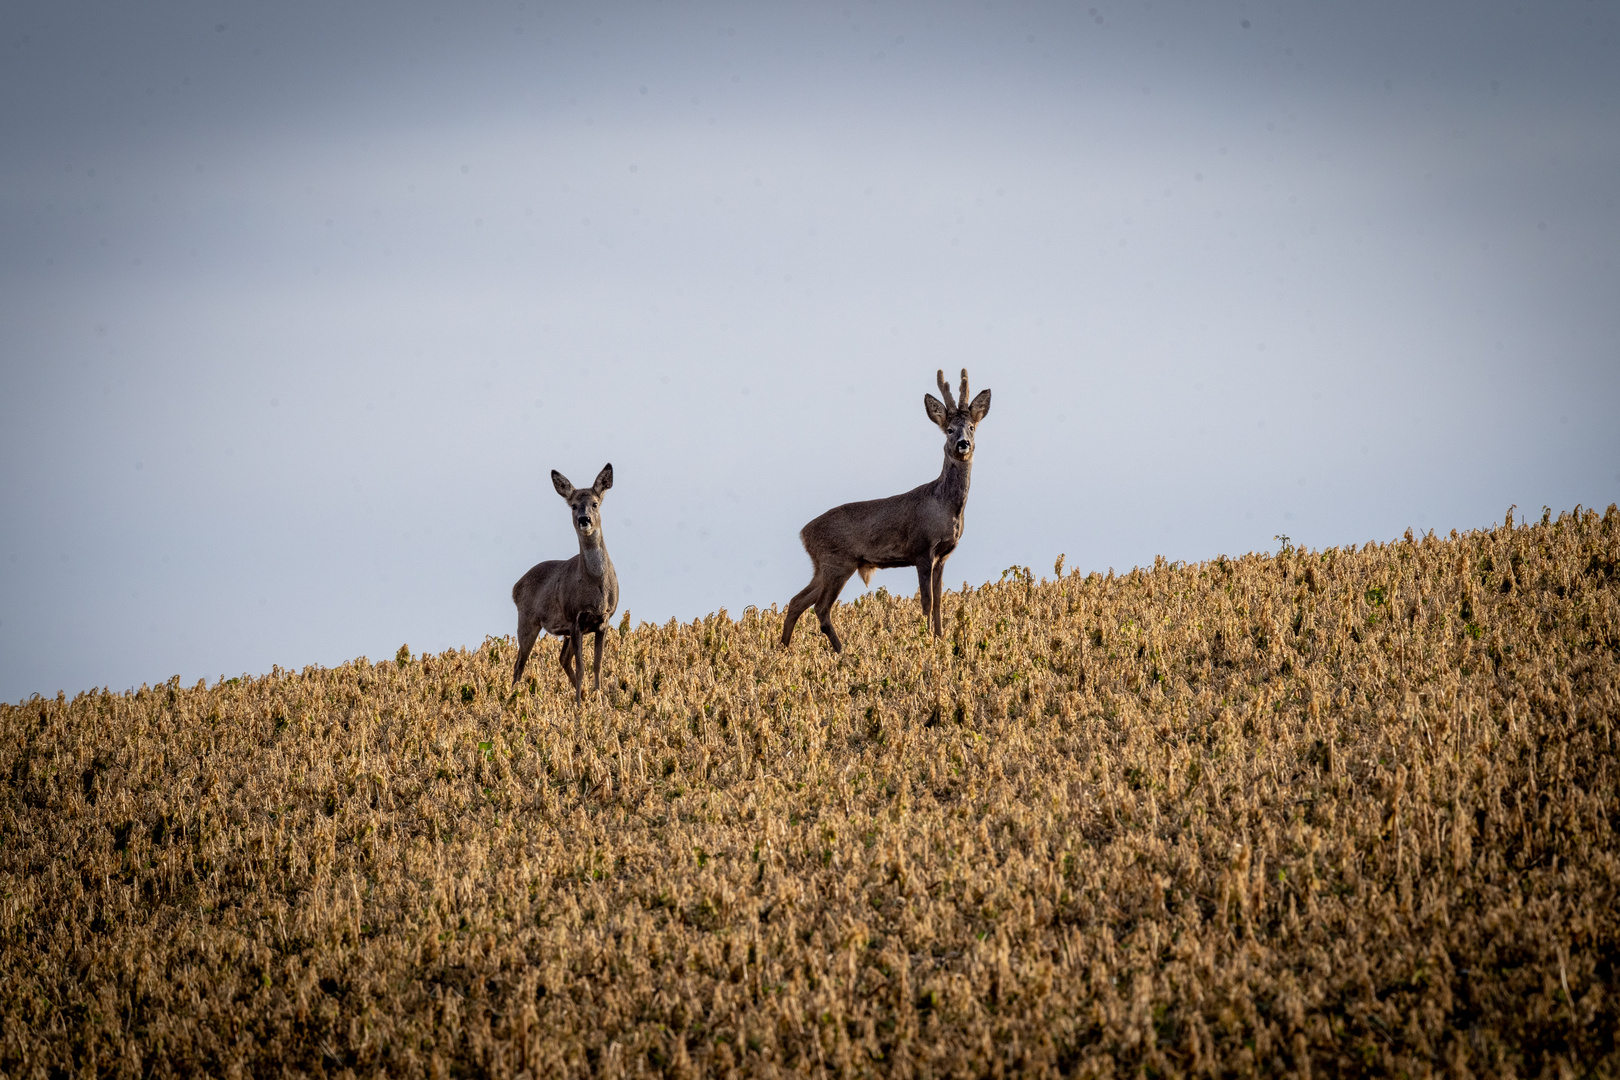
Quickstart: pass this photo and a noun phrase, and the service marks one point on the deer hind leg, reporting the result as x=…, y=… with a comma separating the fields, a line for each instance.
x=937, y=585
x=528, y=634
x=598, y=663
x=831, y=585
x=803, y=599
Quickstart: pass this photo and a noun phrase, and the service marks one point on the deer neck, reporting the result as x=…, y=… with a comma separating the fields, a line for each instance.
x=593, y=556
x=952, y=485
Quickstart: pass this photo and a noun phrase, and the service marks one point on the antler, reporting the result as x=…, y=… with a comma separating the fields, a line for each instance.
x=945, y=390
x=964, y=399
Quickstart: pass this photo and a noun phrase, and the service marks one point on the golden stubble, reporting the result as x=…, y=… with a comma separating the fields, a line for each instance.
x=1346, y=811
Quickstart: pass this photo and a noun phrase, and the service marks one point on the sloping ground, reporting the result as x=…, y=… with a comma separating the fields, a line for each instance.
x=1350, y=810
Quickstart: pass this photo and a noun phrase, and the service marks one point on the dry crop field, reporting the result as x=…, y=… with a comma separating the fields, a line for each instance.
x=1325, y=812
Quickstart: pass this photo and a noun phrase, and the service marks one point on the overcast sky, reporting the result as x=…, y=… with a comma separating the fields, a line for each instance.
x=300, y=303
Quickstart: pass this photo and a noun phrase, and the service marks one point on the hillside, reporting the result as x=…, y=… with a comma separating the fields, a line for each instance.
x=1347, y=811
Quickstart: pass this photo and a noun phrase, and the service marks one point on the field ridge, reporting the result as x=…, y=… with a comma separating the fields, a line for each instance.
x=1349, y=811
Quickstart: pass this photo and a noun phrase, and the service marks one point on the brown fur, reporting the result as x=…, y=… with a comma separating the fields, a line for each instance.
x=569, y=598
x=919, y=528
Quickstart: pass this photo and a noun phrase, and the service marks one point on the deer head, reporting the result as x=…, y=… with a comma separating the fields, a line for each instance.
x=956, y=418
x=586, y=503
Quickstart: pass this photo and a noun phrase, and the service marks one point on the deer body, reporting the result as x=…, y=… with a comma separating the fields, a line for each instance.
x=919, y=528
x=569, y=598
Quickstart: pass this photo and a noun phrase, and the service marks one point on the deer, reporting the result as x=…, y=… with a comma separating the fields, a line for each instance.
x=919, y=528
x=569, y=598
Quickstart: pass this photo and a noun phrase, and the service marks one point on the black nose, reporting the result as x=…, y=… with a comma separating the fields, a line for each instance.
x=584, y=523
x=962, y=446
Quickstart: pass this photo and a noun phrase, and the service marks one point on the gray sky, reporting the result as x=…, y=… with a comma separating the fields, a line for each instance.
x=300, y=304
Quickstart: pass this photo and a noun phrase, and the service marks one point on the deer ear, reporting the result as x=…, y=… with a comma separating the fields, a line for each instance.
x=560, y=482
x=980, y=407
x=604, y=479
x=936, y=411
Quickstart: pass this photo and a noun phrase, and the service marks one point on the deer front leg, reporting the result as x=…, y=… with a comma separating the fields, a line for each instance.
x=598, y=664
x=937, y=583
x=566, y=656
x=925, y=586
x=579, y=664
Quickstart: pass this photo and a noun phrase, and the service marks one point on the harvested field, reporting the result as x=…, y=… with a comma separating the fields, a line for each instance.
x=1326, y=812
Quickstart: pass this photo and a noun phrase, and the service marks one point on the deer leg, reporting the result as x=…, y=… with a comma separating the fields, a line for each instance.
x=937, y=581
x=578, y=640
x=566, y=656
x=832, y=585
x=599, y=661
x=925, y=585
x=527, y=635
x=804, y=598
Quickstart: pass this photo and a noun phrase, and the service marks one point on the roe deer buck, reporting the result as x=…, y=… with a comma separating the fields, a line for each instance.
x=569, y=598
x=919, y=528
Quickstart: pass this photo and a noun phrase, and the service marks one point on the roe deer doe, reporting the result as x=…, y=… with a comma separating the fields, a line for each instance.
x=569, y=598
x=919, y=528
